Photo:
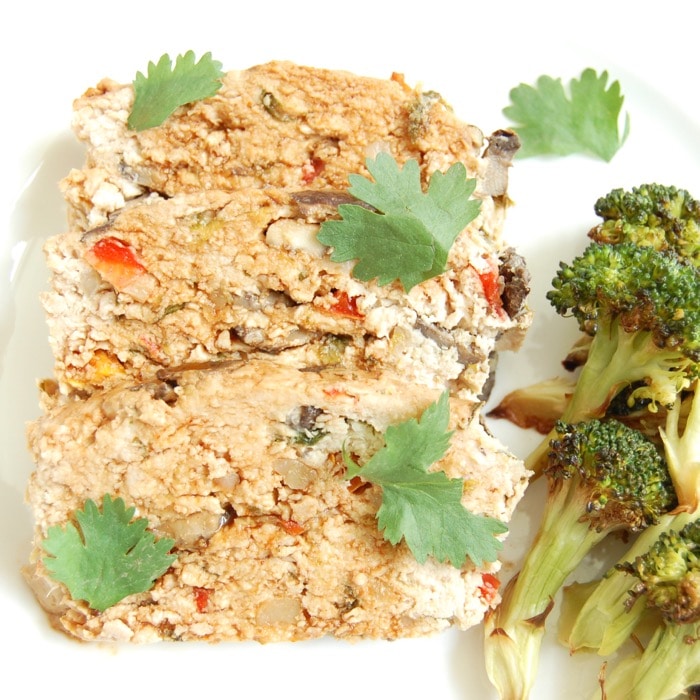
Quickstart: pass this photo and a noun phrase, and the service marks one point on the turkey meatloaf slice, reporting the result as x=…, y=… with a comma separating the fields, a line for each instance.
x=219, y=275
x=241, y=464
x=278, y=124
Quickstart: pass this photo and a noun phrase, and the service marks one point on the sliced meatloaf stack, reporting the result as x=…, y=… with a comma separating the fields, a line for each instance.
x=198, y=327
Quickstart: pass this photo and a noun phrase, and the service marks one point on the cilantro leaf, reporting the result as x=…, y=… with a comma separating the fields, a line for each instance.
x=586, y=121
x=159, y=94
x=111, y=556
x=421, y=507
x=409, y=236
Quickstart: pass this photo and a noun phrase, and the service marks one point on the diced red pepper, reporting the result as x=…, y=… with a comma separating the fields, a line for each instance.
x=114, y=251
x=490, y=586
x=490, y=282
x=151, y=346
x=345, y=305
x=333, y=392
x=117, y=263
x=311, y=170
x=292, y=527
x=201, y=598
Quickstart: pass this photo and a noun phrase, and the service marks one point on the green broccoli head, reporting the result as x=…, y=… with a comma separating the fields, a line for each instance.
x=642, y=308
x=669, y=574
x=622, y=477
x=661, y=216
x=642, y=288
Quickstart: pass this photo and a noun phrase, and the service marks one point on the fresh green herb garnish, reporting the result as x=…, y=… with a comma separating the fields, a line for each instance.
x=108, y=557
x=409, y=236
x=585, y=121
x=424, y=508
x=164, y=89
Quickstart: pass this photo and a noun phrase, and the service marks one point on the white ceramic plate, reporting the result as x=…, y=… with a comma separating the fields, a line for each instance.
x=473, y=55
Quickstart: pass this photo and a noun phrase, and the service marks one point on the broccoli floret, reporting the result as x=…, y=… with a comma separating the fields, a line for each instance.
x=669, y=574
x=641, y=308
x=669, y=582
x=620, y=473
x=603, y=477
x=607, y=618
x=661, y=216
x=639, y=288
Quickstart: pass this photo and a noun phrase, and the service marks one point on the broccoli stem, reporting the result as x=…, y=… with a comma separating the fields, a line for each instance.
x=616, y=359
x=603, y=623
x=669, y=665
x=514, y=631
x=683, y=452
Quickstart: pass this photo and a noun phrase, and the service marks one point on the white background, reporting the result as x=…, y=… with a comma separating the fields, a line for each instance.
x=472, y=53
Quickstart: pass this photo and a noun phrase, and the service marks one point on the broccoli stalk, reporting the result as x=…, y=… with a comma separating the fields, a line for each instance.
x=537, y=406
x=603, y=621
x=669, y=581
x=674, y=647
x=683, y=452
x=642, y=309
x=603, y=477
x=666, y=669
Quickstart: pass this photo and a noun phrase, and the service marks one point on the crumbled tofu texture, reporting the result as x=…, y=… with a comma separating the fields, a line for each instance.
x=212, y=283
x=211, y=362
x=278, y=124
x=213, y=458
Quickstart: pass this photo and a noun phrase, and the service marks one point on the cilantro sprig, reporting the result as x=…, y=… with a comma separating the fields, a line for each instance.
x=165, y=88
x=424, y=507
x=408, y=234
x=585, y=120
x=108, y=556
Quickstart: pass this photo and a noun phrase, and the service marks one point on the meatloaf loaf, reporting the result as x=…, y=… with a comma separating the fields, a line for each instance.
x=212, y=362
x=220, y=274
x=272, y=542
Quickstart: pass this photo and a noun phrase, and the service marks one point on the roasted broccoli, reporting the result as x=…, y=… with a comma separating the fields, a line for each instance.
x=605, y=620
x=641, y=308
x=661, y=216
x=603, y=477
x=635, y=294
x=537, y=406
x=682, y=449
x=669, y=574
x=668, y=577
